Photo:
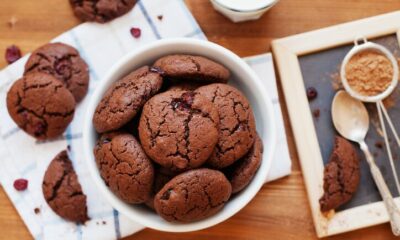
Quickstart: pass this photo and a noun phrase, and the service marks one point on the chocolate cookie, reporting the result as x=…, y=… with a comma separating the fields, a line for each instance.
x=101, y=10
x=125, y=99
x=63, y=62
x=40, y=105
x=161, y=177
x=188, y=67
x=62, y=190
x=124, y=167
x=236, y=124
x=242, y=172
x=185, y=86
x=193, y=195
x=341, y=175
x=179, y=129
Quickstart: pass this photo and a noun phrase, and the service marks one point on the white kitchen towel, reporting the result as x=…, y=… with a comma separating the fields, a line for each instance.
x=101, y=45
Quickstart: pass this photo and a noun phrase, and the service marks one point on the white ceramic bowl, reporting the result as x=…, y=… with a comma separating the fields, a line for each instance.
x=242, y=77
x=240, y=11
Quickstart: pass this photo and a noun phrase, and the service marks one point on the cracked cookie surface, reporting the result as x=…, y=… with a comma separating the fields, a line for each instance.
x=236, y=124
x=101, y=10
x=193, y=195
x=63, y=62
x=242, y=171
x=125, y=98
x=62, y=190
x=40, y=105
x=196, y=68
x=179, y=129
x=341, y=175
x=124, y=167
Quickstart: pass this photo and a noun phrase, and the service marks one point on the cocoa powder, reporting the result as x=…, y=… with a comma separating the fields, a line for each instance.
x=369, y=73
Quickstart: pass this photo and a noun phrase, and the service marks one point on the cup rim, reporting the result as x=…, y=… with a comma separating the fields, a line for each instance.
x=253, y=187
x=364, y=47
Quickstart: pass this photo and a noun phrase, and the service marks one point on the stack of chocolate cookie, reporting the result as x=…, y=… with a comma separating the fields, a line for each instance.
x=43, y=101
x=182, y=151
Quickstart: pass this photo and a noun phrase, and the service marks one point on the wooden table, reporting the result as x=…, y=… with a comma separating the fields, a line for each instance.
x=280, y=210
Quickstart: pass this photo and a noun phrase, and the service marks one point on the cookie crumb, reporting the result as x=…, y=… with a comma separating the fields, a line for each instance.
x=104, y=222
x=13, y=53
x=12, y=22
x=37, y=210
x=160, y=17
x=21, y=184
x=379, y=144
x=316, y=113
x=136, y=32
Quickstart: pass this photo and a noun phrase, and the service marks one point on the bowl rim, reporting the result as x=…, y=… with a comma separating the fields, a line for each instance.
x=218, y=217
x=260, y=7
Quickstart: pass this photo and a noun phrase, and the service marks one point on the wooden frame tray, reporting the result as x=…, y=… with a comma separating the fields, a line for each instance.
x=287, y=52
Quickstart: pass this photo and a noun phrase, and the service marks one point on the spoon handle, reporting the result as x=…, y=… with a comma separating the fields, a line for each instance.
x=393, y=211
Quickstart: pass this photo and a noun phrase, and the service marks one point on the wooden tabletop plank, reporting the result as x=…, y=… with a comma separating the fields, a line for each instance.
x=280, y=210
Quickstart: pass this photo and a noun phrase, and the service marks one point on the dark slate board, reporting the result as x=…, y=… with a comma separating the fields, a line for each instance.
x=321, y=71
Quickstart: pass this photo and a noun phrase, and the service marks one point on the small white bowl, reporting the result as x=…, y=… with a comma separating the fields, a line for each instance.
x=240, y=10
x=242, y=77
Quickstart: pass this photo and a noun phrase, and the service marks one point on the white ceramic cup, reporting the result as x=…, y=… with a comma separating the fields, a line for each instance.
x=243, y=78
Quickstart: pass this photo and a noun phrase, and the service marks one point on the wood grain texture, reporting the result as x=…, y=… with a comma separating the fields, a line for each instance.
x=281, y=209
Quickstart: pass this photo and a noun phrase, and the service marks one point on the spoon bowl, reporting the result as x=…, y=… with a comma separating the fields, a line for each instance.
x=350, y=117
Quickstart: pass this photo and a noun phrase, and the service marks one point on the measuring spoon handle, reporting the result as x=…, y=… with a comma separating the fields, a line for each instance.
x=391, y=207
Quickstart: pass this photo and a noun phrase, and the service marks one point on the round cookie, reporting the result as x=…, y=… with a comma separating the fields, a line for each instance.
x=196, y=68
x=237, y=124
x=100, y=10
x=179, y=129
x=193, y=195
x=124, y=167
x=63, y=62
x=125, y=99
x=62, y=190
x=242, y=171
x=161, y=177
x=40, y=105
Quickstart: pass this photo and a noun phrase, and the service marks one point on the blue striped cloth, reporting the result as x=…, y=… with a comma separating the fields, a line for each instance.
x=101, y=45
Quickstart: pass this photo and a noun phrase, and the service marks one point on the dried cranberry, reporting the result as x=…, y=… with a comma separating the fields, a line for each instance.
x=136, y=32
x=311, y=93
x=63, y=68
x=39, y=129
x=184, y=103
x=188, y=98
x=36, y=210
x=160, y=17
x=316, y=113
x=13, y=53
x=21, y=184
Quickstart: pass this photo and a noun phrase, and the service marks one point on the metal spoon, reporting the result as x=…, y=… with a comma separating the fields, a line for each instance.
x=351, y=120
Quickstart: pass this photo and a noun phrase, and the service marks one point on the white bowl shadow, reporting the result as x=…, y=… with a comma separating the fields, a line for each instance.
x=243, y=77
